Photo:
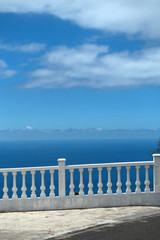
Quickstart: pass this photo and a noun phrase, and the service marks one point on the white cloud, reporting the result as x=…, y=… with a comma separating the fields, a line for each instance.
x=2, y=64
x=4, y=71
x=99, y=129
x=29, y=127
x=32, y=47
x=94, y=66
x=131, y=17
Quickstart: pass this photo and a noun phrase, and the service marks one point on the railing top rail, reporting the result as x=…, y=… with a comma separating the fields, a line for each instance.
x=21, y=169
x=116, y=164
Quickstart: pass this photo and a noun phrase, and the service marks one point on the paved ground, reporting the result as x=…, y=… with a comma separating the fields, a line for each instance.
x=60, y=224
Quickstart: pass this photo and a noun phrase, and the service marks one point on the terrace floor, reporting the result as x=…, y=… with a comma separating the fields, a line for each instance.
x=60, y=224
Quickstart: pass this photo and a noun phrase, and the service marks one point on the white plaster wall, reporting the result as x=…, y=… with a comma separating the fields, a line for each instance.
x=73, y=202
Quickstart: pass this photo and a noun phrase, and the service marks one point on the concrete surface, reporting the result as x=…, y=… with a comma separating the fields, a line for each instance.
x=47, y=224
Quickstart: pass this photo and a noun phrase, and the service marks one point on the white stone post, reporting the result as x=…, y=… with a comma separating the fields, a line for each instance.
x=62, y=177
x=156, y=159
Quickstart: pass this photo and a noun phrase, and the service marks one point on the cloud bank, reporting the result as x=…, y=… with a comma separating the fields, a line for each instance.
x=4, y=71
x=94, y=66
x=118, y=16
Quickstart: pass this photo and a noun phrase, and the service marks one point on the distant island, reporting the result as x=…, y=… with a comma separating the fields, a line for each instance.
x=73, y=133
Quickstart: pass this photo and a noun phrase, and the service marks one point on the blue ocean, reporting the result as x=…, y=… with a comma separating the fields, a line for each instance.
x=45, y=153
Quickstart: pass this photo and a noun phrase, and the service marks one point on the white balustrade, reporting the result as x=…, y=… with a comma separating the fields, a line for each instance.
x=61, y=178
x=71, y=186
x=33, y=187
x=23, y=171
x=119, y=184
x=138, y=190
x=52, y=187
x=128, y=183
x=109, y=166
x=42, y=195
x=5, y=189
x=147, y=182
x=24, y=196
x=81, y=185
x=14, y=189
x=109, y=183
x=100, y=185
x=90, y=185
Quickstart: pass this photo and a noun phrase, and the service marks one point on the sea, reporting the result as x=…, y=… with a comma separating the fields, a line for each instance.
x=15, y=154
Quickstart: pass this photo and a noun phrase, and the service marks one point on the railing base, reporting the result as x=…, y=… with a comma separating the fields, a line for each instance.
x=77, y=202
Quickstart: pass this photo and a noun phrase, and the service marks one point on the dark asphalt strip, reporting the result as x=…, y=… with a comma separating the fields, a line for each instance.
x=145, y=228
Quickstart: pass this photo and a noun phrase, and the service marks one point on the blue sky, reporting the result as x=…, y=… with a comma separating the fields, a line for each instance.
x=79, y=64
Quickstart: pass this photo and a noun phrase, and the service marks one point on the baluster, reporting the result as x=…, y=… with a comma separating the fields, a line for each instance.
x=33, y=188
x=128, y=183
x=100, y=185
x=14, y=189
x=147, y=182
x=42, y=195
x=90, y=185
x=24, y=196
x=109, y=184
x=81, y=185
x=71, y=186
x=119, y=184
x=5, y=189
x=52, y=187
x=138, y=183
